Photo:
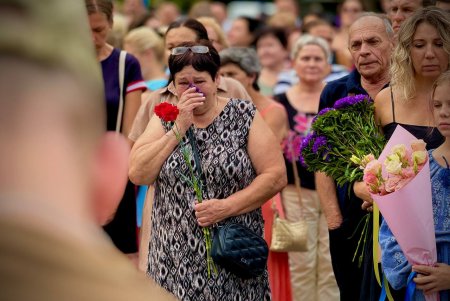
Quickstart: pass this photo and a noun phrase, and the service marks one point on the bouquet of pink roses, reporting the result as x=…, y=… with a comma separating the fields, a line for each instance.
x=402, y=164
x=401, y=188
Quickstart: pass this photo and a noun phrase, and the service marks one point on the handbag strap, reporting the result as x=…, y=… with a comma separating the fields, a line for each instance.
x=196, y=154
x=297, y=184
x=121, y=81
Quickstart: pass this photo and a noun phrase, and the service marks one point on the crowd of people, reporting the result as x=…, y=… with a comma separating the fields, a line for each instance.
x=106, y=210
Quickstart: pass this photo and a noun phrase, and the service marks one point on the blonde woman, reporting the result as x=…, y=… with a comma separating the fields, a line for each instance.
x=148, y=47
x=421, y=55
x=215, y=33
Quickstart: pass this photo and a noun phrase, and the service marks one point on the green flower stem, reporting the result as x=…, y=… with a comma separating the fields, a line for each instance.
x=363, y=237
x=196, y=185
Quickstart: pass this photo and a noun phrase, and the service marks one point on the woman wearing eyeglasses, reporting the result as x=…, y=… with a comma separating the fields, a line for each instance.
x=186, y=30
x=241, y=171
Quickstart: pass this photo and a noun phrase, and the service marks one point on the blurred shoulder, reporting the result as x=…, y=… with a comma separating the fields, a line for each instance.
x=229, y=87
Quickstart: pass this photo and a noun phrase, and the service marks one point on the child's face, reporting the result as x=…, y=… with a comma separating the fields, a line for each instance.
x=441, y=108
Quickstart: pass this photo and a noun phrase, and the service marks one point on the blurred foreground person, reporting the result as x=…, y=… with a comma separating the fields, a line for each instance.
x=61, y=175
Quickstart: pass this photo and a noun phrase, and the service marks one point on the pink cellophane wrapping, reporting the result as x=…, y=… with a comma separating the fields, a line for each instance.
x=408, y=211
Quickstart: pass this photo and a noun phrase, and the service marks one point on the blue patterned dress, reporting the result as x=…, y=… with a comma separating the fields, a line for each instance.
x=395, y=265
x=177, y=256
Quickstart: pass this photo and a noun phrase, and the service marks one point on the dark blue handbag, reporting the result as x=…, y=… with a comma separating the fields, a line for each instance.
x=239, y=250
x=235, y=247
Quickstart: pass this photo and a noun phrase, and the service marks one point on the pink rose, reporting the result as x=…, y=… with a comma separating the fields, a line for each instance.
x=408, y=172
x=370, y=178
x=371, y=182
x=373, y=167
x=392, y=182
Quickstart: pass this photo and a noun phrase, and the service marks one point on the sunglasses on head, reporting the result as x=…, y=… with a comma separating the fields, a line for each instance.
x=194, y=49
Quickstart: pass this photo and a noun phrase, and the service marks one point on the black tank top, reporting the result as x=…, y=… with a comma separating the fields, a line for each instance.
x=429, y=134
x=299, y=125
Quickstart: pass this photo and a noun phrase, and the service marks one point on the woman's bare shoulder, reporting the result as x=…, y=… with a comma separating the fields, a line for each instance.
x=383, y=96
x=383, y=106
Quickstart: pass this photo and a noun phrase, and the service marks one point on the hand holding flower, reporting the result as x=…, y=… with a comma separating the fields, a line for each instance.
x=170, y=113
x=361, y=191
x=210, y=212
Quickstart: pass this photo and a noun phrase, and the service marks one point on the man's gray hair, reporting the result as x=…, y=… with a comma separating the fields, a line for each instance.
x=383, y=18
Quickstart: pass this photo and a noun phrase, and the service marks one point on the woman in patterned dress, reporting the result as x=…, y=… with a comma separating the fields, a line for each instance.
x=241, y=170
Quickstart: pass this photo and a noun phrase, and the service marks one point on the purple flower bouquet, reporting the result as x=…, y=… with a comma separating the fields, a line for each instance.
x=340, y=139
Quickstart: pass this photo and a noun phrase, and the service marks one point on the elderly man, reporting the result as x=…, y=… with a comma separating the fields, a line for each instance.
x=61, y=175
x=370, y=44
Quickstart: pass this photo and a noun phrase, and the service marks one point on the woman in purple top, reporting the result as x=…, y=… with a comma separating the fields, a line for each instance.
x=122, y=229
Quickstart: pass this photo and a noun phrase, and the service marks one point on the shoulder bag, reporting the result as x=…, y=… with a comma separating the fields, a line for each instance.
x=235, y=247
x=122, y=57
x=290, y=236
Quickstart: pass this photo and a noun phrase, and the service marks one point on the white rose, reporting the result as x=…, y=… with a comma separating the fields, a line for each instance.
x=400, y=150
x=393, y=164
x=419, y=157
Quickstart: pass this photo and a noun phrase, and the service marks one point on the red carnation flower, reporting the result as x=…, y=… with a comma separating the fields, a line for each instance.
x=166, y=111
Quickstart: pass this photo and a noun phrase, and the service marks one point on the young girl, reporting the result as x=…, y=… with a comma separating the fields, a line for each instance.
x=437, y=278
x=396, y=267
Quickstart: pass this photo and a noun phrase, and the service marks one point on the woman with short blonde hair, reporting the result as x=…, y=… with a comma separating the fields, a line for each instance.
x=148, y=47
x=215, y=32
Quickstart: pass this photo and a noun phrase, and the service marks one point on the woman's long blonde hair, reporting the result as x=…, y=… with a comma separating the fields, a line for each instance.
x=402, y=70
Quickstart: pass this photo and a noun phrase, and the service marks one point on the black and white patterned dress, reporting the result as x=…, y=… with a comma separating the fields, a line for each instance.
x=177, y=257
